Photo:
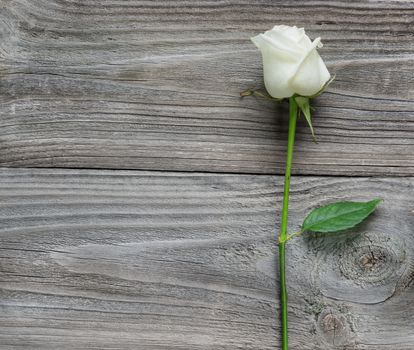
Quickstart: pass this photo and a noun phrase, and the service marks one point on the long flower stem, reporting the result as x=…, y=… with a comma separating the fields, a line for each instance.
x=293, y=111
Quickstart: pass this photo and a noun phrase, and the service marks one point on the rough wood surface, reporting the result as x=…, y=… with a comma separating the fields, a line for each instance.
x=155, y=84
x=137, y=260
x=100, y=259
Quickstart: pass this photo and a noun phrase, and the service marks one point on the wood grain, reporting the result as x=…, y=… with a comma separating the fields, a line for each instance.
x=155, y=84
x=147, y=260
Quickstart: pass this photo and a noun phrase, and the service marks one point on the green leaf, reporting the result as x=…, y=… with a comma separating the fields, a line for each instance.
x=338, y=216
x=304, y=105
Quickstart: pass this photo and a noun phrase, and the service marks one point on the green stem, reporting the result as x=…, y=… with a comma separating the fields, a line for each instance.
x=293, y=112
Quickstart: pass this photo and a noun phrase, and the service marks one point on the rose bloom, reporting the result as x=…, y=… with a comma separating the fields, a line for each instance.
x=291, y=63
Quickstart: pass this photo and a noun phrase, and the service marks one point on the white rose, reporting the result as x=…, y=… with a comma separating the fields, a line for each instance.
x=291, y=64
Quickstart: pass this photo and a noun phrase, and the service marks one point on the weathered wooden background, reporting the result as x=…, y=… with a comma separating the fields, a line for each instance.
x=139, y=195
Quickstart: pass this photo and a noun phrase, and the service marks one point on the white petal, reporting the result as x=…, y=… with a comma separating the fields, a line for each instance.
x=311, y=73
x=304, y=42
x=288, y=38
x=277, y=71
x=263, y=41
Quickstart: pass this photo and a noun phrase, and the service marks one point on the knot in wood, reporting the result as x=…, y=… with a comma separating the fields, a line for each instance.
x=331, y=322
x=369, y=264
x=368, y=268
x=334, y=327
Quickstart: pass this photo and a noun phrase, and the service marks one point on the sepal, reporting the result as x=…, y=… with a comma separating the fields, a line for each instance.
x=304, y=106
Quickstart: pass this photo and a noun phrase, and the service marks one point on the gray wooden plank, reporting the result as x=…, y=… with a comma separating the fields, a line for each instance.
x=155, y=84
x=95, y=259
